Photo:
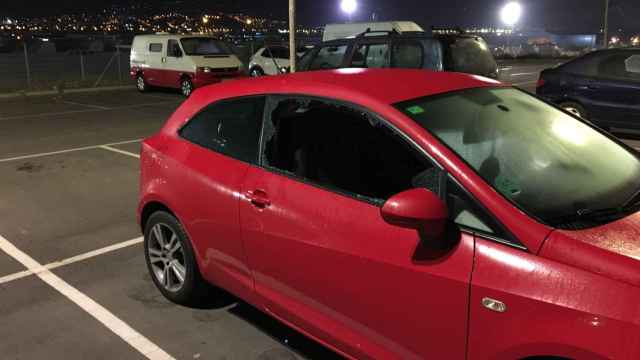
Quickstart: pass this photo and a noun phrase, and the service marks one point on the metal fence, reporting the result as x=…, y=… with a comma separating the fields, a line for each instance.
x=33, y=70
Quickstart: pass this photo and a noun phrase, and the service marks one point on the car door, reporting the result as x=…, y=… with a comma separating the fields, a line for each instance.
x=154, y=72
x=222, y=143
x=322, y=257
x=174, y=65
x=615, y=93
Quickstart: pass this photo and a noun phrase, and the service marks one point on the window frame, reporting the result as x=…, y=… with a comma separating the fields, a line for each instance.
x=171, y=48
x=221, y=102
x=368, y=42
x=346, y=57
x=155, y=43
x=400, y=41
x=272, y=101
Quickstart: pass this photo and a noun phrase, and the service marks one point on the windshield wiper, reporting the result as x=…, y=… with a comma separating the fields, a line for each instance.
x=602, y=214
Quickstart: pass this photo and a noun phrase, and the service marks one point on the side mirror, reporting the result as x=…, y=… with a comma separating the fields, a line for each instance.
x=418, y=209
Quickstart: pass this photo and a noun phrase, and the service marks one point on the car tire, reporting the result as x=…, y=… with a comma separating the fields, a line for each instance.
x=575, y=109
x=141, y=83
x=171, y=261
x=186, y=87
x=256, y=72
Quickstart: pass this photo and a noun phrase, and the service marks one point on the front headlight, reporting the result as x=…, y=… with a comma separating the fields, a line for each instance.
x=284, y=70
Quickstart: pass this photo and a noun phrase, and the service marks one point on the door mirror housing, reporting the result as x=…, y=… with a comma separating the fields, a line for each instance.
x=418, y=209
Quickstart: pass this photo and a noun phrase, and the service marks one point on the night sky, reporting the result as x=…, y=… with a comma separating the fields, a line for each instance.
x=569, y=15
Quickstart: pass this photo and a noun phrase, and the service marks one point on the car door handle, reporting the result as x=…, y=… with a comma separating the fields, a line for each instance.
x=258, y=198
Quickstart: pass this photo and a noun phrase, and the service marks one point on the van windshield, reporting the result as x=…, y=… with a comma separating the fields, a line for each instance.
x=204, y=46
x=556, y=168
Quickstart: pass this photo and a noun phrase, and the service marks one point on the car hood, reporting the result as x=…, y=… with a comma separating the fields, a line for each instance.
x=222, y=61
x=612, y=250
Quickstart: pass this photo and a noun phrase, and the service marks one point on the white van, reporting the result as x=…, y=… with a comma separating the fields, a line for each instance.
x=343, y=31
x=182, y=62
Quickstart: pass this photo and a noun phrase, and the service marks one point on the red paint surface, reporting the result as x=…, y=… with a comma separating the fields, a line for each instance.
x=332, y=268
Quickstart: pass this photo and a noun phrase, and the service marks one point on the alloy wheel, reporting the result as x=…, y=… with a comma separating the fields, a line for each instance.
x=166, y=257
x=186, y=88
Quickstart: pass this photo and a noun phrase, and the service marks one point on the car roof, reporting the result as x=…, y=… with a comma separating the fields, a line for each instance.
x=386, y=86
x=409, y=35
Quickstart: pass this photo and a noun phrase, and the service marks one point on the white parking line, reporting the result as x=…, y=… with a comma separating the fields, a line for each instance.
x=73, y=259
x=526, y=73
x=86, y=105
x=84, y=111
x=109, y=148
x=136, y=340
x=22, y=157
x=525, y=83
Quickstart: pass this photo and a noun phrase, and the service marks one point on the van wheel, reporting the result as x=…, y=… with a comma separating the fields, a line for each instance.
x=171, y=261
x=256, y=72
x=186, y=87
x=141, y=83
x=574, y=108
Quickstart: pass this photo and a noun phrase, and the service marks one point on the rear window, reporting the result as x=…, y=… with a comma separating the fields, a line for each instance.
x=204, y=46
x=417, y=54
x=471, y=55
x=230, y=127
x=329, y=57
x=278, y=52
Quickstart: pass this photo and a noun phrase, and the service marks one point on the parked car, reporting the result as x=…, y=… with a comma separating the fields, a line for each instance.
x=181, y=62
x=269, y=60
x=400, y=214
x=348, y=30
x=602, y=86
x=416, y=50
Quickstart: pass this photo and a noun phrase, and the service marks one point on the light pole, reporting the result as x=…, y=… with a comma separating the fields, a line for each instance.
x=606, y=24
x=510, y=15
x=292, y=36
x=348, y=7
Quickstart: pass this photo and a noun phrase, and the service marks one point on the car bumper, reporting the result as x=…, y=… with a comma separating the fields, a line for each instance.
x=201, y=78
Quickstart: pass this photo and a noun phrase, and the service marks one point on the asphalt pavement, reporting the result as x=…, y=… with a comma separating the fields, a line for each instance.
x=73, y=283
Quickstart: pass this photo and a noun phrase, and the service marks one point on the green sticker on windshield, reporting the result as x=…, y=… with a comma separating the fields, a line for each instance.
x=415, y=110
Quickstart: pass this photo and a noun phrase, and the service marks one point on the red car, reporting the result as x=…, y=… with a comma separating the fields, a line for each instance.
x=400, y=214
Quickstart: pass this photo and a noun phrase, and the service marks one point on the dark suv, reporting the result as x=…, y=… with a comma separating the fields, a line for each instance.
x=416, y=50
x=602, y=86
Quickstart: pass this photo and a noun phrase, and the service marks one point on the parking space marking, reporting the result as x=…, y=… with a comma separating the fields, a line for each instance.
x=90, y=147
x=109, y=148
x=73, y=259
x=526, y=73
x=525, y=83
x=116, y=325
x=86, y=105
x=86, y=111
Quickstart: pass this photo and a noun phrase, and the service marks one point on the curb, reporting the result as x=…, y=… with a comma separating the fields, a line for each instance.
x=63, y=91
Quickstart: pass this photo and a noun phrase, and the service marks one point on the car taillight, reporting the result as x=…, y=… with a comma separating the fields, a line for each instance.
x=540, y=82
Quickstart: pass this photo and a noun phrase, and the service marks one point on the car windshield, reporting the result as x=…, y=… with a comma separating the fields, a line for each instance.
x=549, y=164
x=204, y=46
x=471, y=55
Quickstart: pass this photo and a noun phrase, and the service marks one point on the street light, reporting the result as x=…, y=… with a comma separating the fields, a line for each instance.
x=348, y=7
x=510, y=13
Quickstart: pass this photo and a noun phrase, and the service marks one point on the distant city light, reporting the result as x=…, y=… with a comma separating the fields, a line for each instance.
x=615, y=40
x=511, y=13
x=249, y=21
x=348, y=6
x=205, y=19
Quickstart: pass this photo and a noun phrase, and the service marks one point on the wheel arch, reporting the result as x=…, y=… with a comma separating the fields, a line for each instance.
x=152, y=207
